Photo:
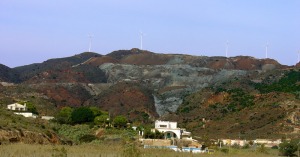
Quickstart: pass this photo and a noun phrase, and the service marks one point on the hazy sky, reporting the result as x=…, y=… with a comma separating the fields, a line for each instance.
x=33, y=31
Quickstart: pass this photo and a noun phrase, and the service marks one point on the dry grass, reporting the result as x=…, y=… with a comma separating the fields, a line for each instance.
x=106, y=150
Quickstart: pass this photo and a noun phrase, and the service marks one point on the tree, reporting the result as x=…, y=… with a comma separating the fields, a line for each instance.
x=64, y=115
x=31, y=108
x=102, y=120
x=288, y=148
x=120, y=121
x=82, y=115
x=96, y=111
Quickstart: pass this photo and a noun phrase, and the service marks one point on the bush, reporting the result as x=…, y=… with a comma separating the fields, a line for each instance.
x=82, y=115
x=73, y=133
x=288, y=148
x=87, y=138
x=96, y=111
x=236, y=146
x=225, y=150
x=246, y=146
x=262, y=149
x=102, y=120
x=274, y=147
x=120, y=121
x=153, y=135
x=64, y=115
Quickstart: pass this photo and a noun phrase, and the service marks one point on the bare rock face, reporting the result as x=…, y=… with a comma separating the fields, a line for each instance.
x=268, y=67
x=169, y=82
x=71, y=81
x=29, y=137
x=171, y=77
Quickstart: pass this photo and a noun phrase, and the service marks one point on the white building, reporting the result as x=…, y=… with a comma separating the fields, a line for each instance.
x=26, y=114
x=17, y=107
x=47, y=117
x=231, y=142
x=268, y=142
x=171, y=130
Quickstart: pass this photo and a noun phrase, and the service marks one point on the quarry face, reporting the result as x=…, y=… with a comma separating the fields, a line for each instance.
x=170, y=82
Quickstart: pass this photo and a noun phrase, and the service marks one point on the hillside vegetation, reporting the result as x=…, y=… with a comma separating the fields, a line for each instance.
x=244, y=109
x=215, y=97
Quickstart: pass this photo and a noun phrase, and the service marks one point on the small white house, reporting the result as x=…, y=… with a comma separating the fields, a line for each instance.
x=47, y=117
x=171, y=130
x=26, y=114
x=17, y=107
x=268, y=142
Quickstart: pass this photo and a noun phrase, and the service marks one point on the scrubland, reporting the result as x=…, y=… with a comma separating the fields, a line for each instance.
x=115, y=150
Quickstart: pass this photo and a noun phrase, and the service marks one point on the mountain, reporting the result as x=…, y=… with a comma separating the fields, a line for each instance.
x=62, y=70
x=211, y=96
x=244, y=108
x=7, y=74
x=126, y=98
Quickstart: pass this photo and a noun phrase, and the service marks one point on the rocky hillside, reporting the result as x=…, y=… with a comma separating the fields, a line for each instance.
x=127, y=98
x=15, y=128
x=8, y=75
x=244, y=108
x=198, y=91
x=61, y=70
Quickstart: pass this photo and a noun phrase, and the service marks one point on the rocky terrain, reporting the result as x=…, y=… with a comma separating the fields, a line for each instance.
x=144, y=86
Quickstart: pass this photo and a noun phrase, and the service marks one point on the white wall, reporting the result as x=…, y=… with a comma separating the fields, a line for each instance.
x=169, y=125
x=26, y=114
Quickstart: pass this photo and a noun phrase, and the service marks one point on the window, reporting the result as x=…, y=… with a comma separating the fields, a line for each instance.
x=162, y=126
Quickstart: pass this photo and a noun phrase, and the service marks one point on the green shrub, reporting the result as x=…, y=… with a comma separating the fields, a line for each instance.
x=87, y=138
x=246, y=146
x=102, y=120
x=288, y=148
x=73, y=133
x=262, y=149
x=64, y=115
x=82, y=115
x=287, y=84
x=120, y=121
x=274, y=147
x=225, y=150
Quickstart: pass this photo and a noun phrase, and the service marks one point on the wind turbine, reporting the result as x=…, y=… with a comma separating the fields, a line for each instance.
x=141, y=35
x=267, y=45
x=227, y=45
x=298, y=56
x=90, y=44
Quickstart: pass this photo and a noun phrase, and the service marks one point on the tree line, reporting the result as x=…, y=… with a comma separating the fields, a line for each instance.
x=89, y=115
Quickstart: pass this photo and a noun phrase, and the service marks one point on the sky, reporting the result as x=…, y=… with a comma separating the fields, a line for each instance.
x=34, y=31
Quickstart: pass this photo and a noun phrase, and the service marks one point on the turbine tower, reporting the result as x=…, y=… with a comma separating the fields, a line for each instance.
x=227, y=45
x=298, y=56
x=90, y=44
x=141, y=35
x=267, y=45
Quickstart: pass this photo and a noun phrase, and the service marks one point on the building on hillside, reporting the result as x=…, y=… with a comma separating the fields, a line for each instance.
x=47, y=117
x=231, y=142
x=26, y=114
x=268, y=142
x=171, y=130
x=17, y=107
